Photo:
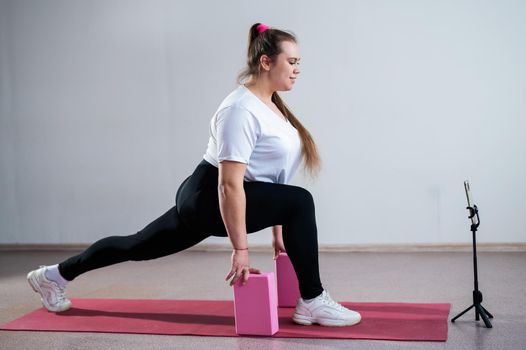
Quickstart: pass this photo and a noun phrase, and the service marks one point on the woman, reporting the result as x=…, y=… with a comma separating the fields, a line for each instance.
x=256, y=144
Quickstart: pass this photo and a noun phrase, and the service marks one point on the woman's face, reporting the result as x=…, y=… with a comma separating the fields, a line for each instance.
x=285, y=69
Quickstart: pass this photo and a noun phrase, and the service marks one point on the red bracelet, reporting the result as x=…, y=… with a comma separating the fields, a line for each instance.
x=240, y=249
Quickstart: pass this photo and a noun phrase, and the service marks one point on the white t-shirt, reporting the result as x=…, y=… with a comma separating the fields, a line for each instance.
x=245, y=129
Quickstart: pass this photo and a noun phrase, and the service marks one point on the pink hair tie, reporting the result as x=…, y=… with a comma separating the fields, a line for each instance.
x=262, y=27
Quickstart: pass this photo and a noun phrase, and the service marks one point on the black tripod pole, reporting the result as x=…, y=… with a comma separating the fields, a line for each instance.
x=477, y=294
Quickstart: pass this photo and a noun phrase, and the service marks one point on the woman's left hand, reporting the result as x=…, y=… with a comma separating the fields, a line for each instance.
x=277, y=244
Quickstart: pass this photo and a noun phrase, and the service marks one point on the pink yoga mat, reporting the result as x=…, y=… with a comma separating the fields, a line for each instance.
x=387, y=321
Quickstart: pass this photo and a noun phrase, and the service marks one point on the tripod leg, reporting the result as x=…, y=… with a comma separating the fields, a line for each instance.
x=462, y=313
x=480, y=310
x=486, y=311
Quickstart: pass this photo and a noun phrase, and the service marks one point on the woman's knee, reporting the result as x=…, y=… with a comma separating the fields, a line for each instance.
x=302, y=200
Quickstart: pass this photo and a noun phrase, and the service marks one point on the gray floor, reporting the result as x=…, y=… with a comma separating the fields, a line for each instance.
x=403, y=277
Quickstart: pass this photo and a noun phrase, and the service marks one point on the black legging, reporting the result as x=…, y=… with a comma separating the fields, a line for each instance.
x=196, y=216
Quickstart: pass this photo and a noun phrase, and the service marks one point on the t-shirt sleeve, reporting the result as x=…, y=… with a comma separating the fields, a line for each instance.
x=237, y=133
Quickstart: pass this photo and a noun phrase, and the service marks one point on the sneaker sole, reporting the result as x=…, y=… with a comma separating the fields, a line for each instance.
x=307, y=321
x=34, y=285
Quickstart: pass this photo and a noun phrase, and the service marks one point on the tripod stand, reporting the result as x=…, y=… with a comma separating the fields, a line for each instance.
x=477, y=295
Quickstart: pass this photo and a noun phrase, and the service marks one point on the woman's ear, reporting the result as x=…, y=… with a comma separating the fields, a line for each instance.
x=264, y=61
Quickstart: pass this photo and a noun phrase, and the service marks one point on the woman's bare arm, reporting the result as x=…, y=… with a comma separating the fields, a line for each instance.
x=232, y=204
x=232, y=201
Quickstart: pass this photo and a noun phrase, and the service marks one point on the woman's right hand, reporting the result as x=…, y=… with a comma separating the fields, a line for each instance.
x=240, y=267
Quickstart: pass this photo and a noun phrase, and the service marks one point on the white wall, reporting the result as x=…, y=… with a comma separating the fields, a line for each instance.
x=105, y=108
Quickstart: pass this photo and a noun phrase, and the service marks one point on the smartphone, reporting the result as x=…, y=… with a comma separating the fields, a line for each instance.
x=474, y=219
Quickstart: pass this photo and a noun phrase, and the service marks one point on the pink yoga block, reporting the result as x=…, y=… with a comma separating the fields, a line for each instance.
x=256, y=305
x=288, y=287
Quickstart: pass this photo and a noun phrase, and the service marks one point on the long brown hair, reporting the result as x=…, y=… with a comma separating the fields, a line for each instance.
x=269, y=43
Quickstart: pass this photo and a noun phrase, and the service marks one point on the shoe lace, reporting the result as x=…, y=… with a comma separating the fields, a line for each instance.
x=58, y=291
x=60, y=294
x=328, y=300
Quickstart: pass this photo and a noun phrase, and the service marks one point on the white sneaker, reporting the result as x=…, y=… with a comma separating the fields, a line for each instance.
x=52, y=295
x=324, y=311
